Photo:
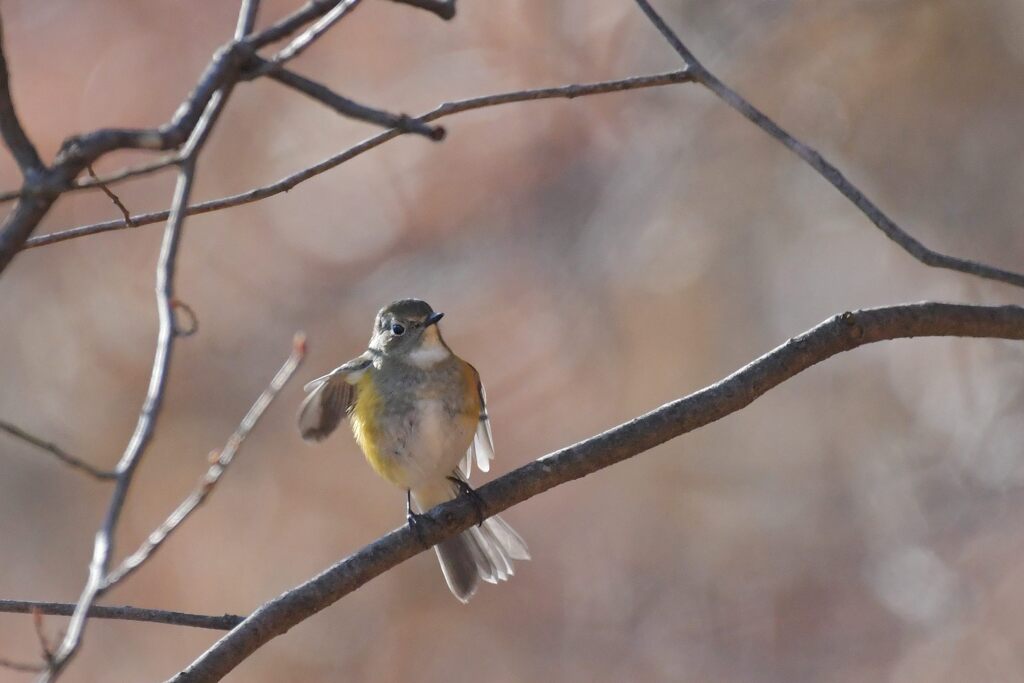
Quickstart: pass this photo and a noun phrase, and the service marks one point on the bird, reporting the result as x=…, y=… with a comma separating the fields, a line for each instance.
x=419, y=414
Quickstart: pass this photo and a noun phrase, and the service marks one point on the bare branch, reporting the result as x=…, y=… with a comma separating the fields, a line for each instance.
x=220, y=465
x=445, y=9
x=111, y=196
x=352, y=109
x=44, y=642
x=10, y=127
x=57, y=452
x=92, y=183
x=310, y=12
x=104, y=544
x=310, y=35
x=824, y=168
x=44, y=185
x=837, y=334
x=125, y=613
x=247, y=18
x=449, y=108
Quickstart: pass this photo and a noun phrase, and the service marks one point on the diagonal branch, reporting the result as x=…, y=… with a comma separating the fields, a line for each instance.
x=217, y=469
x=310, y=35
x=836, y=335
x=449, y=108
x=825, y=169
x=350, y=108
x=125, y=613
x=57, y=452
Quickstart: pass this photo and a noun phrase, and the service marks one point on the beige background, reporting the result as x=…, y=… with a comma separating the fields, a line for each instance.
x=596, y=258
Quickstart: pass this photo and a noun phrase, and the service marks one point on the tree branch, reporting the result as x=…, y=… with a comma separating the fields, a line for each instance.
x=311, y=34
x=57, y=452
x=449, y=108
x=350, y=108
x=103, y=547
x=837, y=334
x=824, y=168
x=125, y=613
x=10, y=127
x=43, y=185
x=217, y=469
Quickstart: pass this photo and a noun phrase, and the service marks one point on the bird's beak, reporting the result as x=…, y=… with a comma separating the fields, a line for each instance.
x=432, y=319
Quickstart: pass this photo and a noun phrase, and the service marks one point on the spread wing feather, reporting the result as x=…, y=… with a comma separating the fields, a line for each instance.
x=330, y=398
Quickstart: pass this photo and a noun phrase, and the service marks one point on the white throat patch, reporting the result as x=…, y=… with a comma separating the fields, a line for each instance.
x=431, y=352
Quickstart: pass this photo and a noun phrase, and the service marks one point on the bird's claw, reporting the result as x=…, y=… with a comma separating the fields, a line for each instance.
x=474, y=497
x=417, y=523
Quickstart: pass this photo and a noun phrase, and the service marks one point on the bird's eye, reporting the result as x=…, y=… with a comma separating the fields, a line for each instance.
x=397, y=329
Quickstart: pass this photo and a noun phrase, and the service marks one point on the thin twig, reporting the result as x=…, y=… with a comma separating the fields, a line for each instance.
x=22, y=666
x=311, y=34
x=125, y=613
x=111, y=196
x=353, y=109
x=57, y=452
x=825, y=169
x=220, y=465
x=449, y=108
x=192, y=325
x=836, y=335
x=89, y=184
x=44, y=642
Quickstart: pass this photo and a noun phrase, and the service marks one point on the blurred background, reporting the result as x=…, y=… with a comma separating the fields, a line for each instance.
x=595, y=258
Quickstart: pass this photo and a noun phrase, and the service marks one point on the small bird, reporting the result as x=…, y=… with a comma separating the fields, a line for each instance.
x=419, y=413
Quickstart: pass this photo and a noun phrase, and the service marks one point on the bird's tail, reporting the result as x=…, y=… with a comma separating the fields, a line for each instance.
x=485, y=552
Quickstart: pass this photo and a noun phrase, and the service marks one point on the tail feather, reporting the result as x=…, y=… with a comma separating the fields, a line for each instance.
x=485, y=552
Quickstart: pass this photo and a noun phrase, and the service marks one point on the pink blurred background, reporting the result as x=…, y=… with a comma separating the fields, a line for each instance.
x=595, y=258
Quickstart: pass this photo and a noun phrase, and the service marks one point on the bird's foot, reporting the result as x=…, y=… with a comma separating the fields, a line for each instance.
x=418, y=524
x=474, y=497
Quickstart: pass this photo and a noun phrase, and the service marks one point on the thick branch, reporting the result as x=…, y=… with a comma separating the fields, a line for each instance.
x=447, y=109
x=125, y=613
x=824, y=168
x=839, y=333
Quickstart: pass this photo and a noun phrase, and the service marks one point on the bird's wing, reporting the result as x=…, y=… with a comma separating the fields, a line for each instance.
x=330, y=398
x=482, y=448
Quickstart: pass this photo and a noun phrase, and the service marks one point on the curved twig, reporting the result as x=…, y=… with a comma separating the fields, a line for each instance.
x=837, y=334
x=825, y=169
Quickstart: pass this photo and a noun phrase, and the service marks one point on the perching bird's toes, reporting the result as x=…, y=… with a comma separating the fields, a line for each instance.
x=474, y=497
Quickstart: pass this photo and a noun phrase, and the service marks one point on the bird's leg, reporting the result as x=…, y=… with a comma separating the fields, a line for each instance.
x=474, y=497
x=416, y=521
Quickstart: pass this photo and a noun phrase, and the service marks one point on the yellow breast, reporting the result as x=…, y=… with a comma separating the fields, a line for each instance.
x=365, y=425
